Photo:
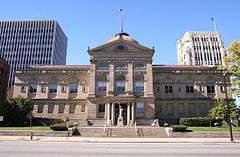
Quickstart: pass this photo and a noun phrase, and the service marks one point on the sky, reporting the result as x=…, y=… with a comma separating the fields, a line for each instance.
x=157, y=23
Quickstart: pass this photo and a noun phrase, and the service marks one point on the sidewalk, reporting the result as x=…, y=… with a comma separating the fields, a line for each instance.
x=118, y=140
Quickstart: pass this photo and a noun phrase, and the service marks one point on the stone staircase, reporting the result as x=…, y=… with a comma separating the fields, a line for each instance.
x=123, y=132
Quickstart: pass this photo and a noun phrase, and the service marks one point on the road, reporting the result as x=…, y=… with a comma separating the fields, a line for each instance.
x=72, y=149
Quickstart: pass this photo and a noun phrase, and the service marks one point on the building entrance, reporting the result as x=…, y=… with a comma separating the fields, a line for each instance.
x=120, y=114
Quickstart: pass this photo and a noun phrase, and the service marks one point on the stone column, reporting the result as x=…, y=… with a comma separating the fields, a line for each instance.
x=45, y=109
x=148, y=89
x=66, y=109
x=108, y=114
x=35, y=109
x=113, y=113
x=92, y=81
x=128, y=114
x=130, y=78
x=133, y=115
x=55, y=109
x=111, y=80
x=105, y=114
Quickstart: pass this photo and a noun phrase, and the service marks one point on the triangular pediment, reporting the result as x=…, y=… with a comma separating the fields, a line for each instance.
x=120, y=45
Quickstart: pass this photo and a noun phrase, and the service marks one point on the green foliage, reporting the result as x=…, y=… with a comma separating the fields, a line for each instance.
x=233, y=62
x=179, y=128
x=198, y=121
x=59, y=127
x=16, y=111
x=220, y=111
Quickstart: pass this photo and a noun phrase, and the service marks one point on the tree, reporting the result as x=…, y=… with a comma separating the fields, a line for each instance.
x=220, y=111
x=17, y=110
x=233, y=62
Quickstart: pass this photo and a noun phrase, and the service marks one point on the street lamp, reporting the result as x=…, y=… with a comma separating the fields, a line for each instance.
x=228, y=107
x=30, y=124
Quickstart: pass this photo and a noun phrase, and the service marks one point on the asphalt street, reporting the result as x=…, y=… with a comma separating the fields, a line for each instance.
x=72, y=149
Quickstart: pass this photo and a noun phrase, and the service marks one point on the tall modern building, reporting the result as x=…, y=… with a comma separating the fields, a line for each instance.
x=200, y=48
x=29, y=43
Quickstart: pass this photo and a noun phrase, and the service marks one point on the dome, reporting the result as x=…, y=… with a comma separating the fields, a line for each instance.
x=123, y=36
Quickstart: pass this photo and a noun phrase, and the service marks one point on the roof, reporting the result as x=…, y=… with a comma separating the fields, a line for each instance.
x=123, y=36
x=61, y=67
x=171, y=66
x=120, y=37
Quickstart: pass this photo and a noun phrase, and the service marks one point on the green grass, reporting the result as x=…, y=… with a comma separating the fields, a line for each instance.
x=34, y=128
x=212, y=129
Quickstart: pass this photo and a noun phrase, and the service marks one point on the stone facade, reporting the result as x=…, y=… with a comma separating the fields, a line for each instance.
x=120, y=87
x=194, y=89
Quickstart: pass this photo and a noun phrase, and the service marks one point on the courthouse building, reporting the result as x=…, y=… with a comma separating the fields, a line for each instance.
x=121, y=86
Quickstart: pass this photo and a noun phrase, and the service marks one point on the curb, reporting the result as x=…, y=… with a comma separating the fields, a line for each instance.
x=117, y=140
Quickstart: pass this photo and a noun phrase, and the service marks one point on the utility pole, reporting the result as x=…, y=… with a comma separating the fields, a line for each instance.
x=228, y=107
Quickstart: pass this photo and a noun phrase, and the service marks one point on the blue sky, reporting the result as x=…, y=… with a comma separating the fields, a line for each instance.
x=151, y=22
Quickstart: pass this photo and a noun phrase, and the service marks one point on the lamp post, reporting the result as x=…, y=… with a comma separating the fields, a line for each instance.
x=30, y=123
x=228, y=107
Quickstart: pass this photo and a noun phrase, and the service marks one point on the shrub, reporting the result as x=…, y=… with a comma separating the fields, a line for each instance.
x=179, y=128
x=197, y=121
x=59, y=127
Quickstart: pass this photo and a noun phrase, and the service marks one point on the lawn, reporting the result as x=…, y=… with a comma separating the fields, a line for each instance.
x=34, y=128
x=212, y=129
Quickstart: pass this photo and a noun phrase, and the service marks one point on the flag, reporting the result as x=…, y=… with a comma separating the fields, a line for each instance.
x=119, y=10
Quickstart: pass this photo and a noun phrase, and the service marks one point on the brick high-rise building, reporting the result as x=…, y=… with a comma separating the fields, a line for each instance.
x=29, y=43
x=200, y=48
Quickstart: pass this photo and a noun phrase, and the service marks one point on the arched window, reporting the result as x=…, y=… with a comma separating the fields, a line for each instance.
x=139, y=66
x=33, y=88
x=73, y=88
x=102, y=86
x=103, y=66
x=53, y=88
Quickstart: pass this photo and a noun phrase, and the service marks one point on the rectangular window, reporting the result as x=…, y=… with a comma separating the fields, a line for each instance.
x=139, y=86
x=168, y=89
x=210, y=88
x=33, y=88
x=53, y=88
x=40, y=108
x=140, y=107
x=72, y=108
x=189, y=89
x=120, y=86
x=102, y=86
x=101, y=108
x=61, y=108
x=50, y=108
x=120, y=66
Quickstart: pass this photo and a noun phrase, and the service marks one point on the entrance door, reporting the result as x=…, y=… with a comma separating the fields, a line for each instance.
x=124, y=113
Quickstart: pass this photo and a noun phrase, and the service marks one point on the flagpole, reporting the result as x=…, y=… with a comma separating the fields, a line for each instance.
x=214, y=24
x=121, y=14
x=122, y=20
